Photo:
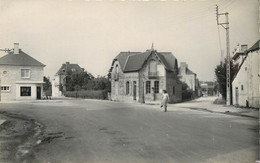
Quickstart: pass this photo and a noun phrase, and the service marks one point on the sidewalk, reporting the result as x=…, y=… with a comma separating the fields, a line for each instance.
x=32, y=101
x=206, y=104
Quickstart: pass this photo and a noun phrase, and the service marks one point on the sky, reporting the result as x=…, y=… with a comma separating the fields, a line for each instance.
x=92, y=33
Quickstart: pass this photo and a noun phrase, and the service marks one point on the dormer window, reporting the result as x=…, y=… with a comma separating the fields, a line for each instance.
x=25, y=73
x=116, y=77
x=153, y=66
x=117, y=69
x=153, y=73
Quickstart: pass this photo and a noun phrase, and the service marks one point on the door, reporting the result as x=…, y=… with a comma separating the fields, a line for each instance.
x=134, y=90
x=39, y=89
x=236, y=95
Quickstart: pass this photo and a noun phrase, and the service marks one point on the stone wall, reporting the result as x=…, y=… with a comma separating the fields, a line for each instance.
x=173, y=88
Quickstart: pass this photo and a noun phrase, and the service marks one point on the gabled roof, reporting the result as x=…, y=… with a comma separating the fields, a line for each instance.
x=237, y=55
x=122, y=57
x=188, y=71
x=134, y=61
x=254, y=47
x=68, y=67
x=21, y=59
x=168, y=60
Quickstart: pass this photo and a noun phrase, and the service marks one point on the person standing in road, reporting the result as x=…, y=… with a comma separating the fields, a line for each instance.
x=165, y=98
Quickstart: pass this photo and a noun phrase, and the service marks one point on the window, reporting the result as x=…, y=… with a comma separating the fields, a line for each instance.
x=5, y=88
x=116, y=73
x=156, y=86
x=242, y=87
x=25, y=91
x=173, y=90
x=153, y=68
x=148, y=87
x=127, y=87
x=117, y=69
x=25, y=73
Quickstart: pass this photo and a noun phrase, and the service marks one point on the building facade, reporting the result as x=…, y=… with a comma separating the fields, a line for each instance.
x=141, y=77
x=208, y=88
x=59, y=81
x=246, y=82
x=190, y=78
x=21, y=76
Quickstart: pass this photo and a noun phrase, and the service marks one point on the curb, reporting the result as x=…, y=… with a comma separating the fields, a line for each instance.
x=226, y=112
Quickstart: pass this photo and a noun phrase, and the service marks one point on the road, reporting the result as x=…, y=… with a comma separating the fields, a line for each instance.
x=105, y=131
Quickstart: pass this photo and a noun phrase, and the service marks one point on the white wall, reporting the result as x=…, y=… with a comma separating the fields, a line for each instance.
x=248, y=77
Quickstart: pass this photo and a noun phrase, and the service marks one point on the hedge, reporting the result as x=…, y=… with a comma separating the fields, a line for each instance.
x=90, y=94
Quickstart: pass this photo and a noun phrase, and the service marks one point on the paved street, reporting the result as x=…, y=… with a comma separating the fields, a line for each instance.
x=104, y=131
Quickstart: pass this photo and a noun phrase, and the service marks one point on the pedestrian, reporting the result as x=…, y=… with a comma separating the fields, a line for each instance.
x=165, y=98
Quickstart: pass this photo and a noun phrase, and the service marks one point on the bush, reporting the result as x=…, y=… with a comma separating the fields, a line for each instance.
x=90, y=94
x=186, y=95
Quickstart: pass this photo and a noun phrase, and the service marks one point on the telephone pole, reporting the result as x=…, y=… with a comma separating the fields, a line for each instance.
x=225, y=25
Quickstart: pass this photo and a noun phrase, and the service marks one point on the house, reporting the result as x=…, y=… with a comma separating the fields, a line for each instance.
x=246, y=82
x=21, y=76
x=141, y=76
x=208, y=88
x=239, y=54
x=59, y=82
x=189, y=77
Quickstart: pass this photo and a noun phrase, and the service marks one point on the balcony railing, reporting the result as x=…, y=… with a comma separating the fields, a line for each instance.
x=153, y=74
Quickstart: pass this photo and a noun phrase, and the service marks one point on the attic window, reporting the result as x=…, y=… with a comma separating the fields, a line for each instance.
x=73, y=70
x=63, y=70
x=117, y=69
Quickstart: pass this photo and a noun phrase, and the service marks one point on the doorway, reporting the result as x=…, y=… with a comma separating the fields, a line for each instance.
x=236, y=95
x=134, y=90
x=39, y=93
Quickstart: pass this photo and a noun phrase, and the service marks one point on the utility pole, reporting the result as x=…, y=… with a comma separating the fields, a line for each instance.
x=225, y=25
x=5, y=50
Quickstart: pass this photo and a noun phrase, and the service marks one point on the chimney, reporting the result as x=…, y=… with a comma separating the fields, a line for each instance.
x=67, y=63
x=183, y=67
x=16, y=48
x=243, y=47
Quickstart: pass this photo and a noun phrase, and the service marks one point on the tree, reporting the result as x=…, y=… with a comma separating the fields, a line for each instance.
x=81, y=80
x=220, y=72
x=47, y=86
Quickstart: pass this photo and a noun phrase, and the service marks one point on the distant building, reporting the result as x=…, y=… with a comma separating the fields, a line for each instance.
x=208, y=88
x=21, y=76
x=246, y=82
x=141, y=76
x=239, y=54
x=59, y=82
x=189, y=77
